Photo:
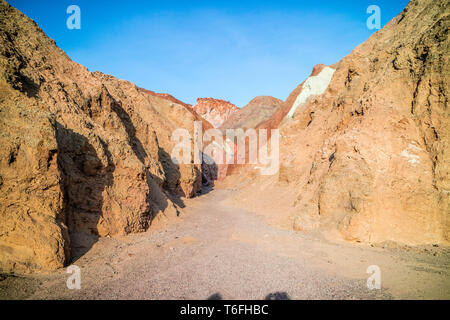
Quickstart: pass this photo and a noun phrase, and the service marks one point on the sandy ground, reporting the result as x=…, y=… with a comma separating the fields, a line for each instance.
x=219, y=251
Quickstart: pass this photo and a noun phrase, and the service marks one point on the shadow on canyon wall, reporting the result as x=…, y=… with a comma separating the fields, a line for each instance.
x=84, y=179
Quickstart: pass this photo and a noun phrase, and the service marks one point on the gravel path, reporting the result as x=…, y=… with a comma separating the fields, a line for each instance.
x=220, y=252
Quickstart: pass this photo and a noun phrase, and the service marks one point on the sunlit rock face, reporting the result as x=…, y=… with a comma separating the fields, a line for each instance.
x=365, y=143
x=215, y=111
x=84, y=155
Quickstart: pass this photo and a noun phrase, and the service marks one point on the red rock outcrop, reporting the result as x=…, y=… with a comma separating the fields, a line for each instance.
x=215, y=111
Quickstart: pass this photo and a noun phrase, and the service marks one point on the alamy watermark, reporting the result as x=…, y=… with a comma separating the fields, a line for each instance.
x=74, y=20
x=374, y=21
x=228, y=148
x=74, y=281
x=374, y=281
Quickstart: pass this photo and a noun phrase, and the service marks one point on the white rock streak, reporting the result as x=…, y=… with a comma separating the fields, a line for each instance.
x=408, y=154
x=313, y=86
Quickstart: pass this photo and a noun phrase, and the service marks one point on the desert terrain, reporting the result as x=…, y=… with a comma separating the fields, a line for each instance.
x=87, y=177
x=219, y=251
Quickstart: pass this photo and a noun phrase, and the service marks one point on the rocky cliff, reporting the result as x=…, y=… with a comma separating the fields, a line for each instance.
x=84, y=155
x=364, y=150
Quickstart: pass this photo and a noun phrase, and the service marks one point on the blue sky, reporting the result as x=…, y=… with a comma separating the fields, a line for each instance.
x=232, y=50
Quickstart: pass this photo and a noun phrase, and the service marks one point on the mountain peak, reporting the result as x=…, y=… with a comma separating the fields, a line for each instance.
x=215, y=111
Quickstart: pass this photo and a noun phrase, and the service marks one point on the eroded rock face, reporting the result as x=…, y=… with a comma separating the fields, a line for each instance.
x=215, y=111
x=95, y=160
x=33, y=230
x=380, y=134
x=369, y=157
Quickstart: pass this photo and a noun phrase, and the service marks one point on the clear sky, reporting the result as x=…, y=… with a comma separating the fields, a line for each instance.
x=232, y=50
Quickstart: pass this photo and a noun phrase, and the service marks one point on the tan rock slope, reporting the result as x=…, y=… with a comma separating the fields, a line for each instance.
x=368, y=159
x=84, y=155
x=215, y=111
x=256, y=112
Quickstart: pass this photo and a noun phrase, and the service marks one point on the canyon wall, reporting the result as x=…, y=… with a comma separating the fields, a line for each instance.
x=84, y=155
x=367, y=159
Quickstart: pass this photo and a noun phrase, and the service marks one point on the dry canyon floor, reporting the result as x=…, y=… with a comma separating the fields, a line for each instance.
x=219, y=251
